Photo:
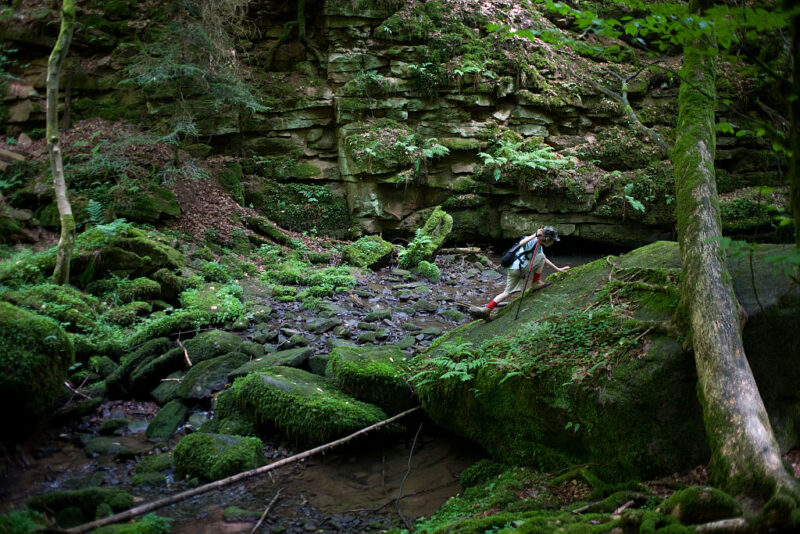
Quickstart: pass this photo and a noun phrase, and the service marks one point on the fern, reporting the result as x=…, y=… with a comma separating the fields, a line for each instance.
x=95, y=210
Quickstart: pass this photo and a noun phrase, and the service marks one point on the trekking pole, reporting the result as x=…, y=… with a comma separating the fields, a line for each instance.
x=530, y=273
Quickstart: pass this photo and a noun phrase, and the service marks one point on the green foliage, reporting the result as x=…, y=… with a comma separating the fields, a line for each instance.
x=427, y=240
x=95, y=210
x=414, y=253
x=21, y=522
x=455, y=360
x=149, y=524
x=369, y=84
x=507, y=155
x=221, y=303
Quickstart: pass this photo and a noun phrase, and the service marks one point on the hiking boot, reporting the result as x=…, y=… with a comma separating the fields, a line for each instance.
x=480, y=312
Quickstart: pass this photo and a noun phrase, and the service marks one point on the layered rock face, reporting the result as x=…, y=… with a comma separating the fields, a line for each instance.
x=396, y=107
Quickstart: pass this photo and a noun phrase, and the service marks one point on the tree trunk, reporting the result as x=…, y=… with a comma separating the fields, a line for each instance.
x=745, y=459
x=794, y=117
x=67, y=241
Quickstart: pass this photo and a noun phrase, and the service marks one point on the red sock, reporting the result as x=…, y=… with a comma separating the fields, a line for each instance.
x=491, y=305
x=536, y=276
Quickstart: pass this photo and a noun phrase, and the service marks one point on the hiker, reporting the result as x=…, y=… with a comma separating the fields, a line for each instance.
x=531, y=245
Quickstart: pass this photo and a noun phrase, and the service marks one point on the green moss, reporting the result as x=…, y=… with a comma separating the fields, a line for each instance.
x=33, y=365
x=230, y=178
x=149, y=524
x=221, y=303
x=21, y=522
x=73, y=309
x=427, y=240
x=148, y=206
x=305, y=408
x=148, y=479
x=215, y=456
x=166, y=421
x=85, y=501
x=368, y=252
x=428, y=271
x=161, y=325
x=154, y=464
x=127, y=314
x=700, y=504
x=137, y=289
x=118, y=382
x=375, y=375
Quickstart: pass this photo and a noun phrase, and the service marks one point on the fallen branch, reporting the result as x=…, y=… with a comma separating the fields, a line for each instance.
x=621, y=508
x=143, y=509
x=185, y=354
x=461, y=250
x=261, y=519
x=733, y=526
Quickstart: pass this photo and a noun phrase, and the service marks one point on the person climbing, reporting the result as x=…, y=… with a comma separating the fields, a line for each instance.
x=531, y=259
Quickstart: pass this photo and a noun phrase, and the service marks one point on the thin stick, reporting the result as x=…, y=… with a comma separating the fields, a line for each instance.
x=400, y=490
x=143, y=509
x=261, y=520
x=185, y=354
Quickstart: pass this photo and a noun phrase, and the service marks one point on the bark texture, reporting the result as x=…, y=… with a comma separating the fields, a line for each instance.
x=746, y=459
x=66, y=243
x=794, y=117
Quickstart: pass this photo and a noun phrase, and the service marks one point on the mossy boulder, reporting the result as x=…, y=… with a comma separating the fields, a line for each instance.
x=149, y=205
x=209, y=376
x=428, y=240
x=119, y=381
x=368, y=252
x=83, y=504
x=35, y=356
x=166, y=421
x=213, y=343
x=70, y=307
x=377, y=375
x=288, y=358
x=571, y=381
x=305, y=408
x=215, y=456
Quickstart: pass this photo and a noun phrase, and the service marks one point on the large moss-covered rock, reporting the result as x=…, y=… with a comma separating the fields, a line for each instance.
x=368, y=252
x=373, y=374
x=209, y=376
x=428, y=240
x=305, y=408
x=166, y=421
x=73, y=309
x=571, y=380
x=149, y=206
x=288, y=358
x=215, y=456
x=119, y=381
x=34, y=359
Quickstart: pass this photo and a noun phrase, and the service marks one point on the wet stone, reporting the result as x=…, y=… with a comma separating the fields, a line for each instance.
x=432, y=331
x=378, y=315
x=425, y=306
x=367, y=337
x=491, y=274
x=367, y=326
x=320, y=326
x=411, y=327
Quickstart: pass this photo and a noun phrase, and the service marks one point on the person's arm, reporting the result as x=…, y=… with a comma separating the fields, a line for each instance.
x=551, y=264
x=527, y=239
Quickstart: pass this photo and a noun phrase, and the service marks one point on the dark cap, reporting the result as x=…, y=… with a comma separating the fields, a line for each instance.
x=551, y=232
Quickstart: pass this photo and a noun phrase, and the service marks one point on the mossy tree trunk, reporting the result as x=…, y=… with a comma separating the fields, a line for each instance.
x=794, y=117
x=67, y=241
x=745, y=455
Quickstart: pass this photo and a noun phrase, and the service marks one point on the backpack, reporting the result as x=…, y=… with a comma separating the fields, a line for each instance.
x=508, y=257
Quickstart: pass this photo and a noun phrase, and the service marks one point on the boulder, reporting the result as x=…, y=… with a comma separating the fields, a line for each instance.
x=166, y=421
x=307, y=409
x=377, y=375
x=209, y=376
x=215, y=456
x=35, y=356
x=570, y=381
x=288, y=358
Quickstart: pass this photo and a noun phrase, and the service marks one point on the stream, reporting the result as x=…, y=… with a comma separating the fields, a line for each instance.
x=371, y=484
